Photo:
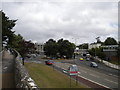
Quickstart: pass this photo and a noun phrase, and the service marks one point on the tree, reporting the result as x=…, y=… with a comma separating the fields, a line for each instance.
x=25, y=47
x=98, y=40
x=51, y=48
x=97, y=52
x=110, y=41
x=63, y=48
x=83, y=46
x=7, y=26
x=66, y=48
x=14, y=41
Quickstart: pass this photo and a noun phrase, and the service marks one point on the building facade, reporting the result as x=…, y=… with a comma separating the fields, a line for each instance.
x=80, y=51
x=110, y=51
x=94, y=45
x=39, y=48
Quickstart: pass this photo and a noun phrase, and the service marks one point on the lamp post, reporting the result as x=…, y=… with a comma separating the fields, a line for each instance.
x=38, y=49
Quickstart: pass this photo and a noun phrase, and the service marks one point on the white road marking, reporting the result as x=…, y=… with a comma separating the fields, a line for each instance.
x=113, y=75
x=111, y=81
x=5, y=67
x=63, y=68
x=83, y=71
x=93, y=81
x=94, y=75
x=110, y=74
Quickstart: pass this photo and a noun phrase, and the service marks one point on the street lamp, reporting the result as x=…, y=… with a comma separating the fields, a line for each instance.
x=38, y=49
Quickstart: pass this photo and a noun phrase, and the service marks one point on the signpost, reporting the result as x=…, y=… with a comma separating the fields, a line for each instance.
x=73, y=71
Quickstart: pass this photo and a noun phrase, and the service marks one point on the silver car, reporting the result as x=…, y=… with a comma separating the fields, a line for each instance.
x=93, y=64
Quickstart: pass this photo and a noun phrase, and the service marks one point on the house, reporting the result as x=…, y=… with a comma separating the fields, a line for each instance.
x=110, y=51
x=80, y=51
x=39, y=48
x=94, y=45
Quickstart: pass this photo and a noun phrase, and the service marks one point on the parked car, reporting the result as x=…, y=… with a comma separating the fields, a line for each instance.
x=93, y=64
x=49, y=62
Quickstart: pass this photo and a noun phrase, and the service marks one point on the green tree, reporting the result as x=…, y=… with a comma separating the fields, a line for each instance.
x=65, y=48
x=51, y=48
x=61, y=47
x=17, y=39
x=110, y=41
x=25, y=47
x=97, y=52
x=83, y=46
x=7, y=26
x=14, y=41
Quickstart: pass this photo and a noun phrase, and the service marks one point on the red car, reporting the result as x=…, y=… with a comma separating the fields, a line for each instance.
x=49, y=62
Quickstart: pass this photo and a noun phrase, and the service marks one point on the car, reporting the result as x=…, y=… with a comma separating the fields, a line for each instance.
x=87, y=59
x=49, y=62
x=81, y=59
x=93, y=64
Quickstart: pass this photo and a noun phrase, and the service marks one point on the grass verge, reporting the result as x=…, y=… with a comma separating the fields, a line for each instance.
x=45, y=77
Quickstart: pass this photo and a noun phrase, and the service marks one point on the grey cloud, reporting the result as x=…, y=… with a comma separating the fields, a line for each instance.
x=44, y=20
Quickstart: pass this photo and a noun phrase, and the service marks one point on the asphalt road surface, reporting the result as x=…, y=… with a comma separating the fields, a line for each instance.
x=101, y=77
x=101, y=67
x=93, y=75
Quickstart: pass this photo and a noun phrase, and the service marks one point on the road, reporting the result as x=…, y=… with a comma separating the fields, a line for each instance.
x=95, y=75
x=101, y=67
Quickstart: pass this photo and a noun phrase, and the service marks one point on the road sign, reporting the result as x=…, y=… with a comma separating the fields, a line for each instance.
x=73, y=70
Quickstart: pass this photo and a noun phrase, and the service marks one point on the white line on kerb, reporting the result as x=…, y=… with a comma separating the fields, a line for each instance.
x=111, y=81
x=93, y=81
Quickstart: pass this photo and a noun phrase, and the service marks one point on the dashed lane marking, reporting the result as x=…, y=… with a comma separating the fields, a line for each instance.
x=113, y=75
x=5, y=67
x=111, y=81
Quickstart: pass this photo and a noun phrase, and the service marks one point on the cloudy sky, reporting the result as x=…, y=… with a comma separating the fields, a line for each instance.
x=74, y=20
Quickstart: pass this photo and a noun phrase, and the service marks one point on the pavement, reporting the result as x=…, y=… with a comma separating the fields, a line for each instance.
x=7, y=70
x=109, y=64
